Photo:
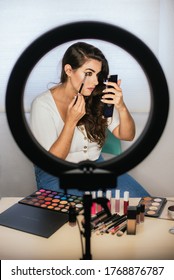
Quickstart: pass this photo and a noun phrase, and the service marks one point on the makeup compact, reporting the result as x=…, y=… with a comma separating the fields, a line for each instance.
x=52, y=200
x=153, y=205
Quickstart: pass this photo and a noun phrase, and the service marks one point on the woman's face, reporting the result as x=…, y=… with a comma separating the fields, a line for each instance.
x=88, y=71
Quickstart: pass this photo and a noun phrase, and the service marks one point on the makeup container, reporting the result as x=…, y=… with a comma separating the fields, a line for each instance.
x=112, y=205
x=131, y=220
x=153, y=205
x=94, y=205
x=117, y=201
x=53, y=201
x=108, y=196
x=171, y=211
x=99, y=194
x=138, y=214
x=126, y=201
x=142, y=212
x=72, y=215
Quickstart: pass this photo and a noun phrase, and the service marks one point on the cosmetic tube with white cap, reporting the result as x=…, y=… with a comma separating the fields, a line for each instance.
x=99, y=194
x=108, y=196
x=93, y=207
x=117, y=201
x=126, y=201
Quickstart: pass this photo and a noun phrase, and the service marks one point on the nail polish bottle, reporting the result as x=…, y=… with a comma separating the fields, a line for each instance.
x=131, y=220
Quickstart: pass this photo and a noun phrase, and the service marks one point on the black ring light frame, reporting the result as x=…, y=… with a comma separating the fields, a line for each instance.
x=77, y=31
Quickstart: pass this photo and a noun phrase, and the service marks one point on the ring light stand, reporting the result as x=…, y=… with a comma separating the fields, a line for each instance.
x=92, y=174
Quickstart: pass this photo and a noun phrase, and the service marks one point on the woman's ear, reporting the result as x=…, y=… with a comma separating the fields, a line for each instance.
x=68, y=69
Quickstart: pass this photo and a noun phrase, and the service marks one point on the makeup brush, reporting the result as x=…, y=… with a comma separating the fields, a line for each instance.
x=121, y=231
x=83, y=82
x=81, y=87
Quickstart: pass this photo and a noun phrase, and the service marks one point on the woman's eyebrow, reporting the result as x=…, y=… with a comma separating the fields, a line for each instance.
x=90, y=69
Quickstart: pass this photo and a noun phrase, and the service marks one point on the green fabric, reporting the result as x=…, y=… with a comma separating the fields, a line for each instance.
x=112, y=145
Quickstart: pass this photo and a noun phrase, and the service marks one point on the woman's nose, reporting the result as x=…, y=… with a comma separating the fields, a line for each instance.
x=95, y=80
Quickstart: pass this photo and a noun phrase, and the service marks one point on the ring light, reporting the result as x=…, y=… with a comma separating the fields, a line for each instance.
x=87, y=30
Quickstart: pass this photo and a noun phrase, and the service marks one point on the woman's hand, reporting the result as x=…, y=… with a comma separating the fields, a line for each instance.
x=114, y=94
x=76, y=109
x=126, y=128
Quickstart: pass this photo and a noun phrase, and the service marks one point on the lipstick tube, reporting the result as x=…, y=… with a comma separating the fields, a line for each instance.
x=117, y=201
x=99, y=207
x=108, y=196
x=93, y=207
x=126, y=201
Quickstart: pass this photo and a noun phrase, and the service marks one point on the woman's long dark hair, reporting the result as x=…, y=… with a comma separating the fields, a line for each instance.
x=95, y=125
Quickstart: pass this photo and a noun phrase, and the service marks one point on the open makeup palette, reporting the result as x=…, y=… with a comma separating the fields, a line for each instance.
x=153, y=205
x=41, y=213
x=52, y=200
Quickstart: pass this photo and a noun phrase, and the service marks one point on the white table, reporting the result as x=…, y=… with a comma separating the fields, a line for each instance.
x=152, y=241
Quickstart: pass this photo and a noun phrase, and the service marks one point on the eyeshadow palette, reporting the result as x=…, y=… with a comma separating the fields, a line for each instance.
x=52, y=200
x=153, y=205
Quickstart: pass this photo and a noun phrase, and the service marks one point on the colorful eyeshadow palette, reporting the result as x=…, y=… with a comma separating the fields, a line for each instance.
x=153, y=205
x=52, y=200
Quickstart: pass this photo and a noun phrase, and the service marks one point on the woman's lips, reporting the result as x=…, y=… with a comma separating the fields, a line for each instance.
x=91, y=89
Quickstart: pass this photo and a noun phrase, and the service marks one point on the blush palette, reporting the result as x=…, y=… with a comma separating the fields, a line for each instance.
x=52, y=200
x=153, y=205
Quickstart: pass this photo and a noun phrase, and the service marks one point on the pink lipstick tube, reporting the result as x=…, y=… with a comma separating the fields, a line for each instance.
x=94, y=205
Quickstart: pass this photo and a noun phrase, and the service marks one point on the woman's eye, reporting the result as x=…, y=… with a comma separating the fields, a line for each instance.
x=88, y=73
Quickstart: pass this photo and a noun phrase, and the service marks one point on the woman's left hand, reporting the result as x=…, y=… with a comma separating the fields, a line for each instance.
x=113, y=95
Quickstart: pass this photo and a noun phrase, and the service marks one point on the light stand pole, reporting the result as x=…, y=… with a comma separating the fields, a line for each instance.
x=87, y=203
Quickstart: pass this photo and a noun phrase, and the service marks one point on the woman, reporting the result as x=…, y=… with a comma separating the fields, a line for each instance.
x=68, y=121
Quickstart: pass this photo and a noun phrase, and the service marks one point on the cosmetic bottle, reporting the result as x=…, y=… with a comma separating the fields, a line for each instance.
x=138, y=214
x=94, y=205
x=126, y=201
x=142, y=212
x=131, y=220
x=117, y=201
x=108, y=196
x=72, y=215
x=99, y=207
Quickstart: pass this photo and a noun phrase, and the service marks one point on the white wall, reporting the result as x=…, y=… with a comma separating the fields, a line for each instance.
x=23, y=21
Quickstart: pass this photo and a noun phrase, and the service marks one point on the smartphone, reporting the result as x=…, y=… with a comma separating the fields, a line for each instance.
x=108, y=108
